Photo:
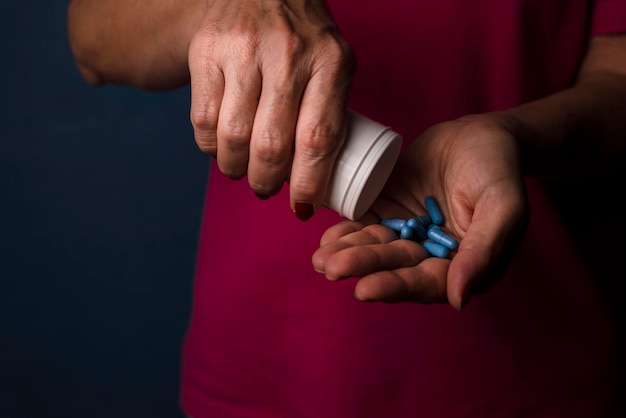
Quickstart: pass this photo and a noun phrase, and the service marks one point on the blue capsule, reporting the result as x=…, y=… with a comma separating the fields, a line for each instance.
x=394, y=223
x=407, y=233
x=440, y=237
x=434, y=212
x=423, y=221
x=419, y=232
x=423, y=228
x=435, y=249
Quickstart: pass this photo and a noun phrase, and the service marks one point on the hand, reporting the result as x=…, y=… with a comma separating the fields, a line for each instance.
x=471, y=166
x=269, y=81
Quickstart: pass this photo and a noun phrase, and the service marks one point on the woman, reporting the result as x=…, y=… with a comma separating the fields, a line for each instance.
x=491, y=98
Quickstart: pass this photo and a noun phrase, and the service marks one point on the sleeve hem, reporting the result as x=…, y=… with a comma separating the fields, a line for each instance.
x=609, y=17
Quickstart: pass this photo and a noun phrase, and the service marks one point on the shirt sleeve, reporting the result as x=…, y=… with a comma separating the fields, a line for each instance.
x=609, y=17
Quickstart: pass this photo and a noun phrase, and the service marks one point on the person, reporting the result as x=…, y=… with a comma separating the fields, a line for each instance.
x=497, y=103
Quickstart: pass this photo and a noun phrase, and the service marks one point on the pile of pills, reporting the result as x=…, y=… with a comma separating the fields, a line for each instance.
x=426, y=230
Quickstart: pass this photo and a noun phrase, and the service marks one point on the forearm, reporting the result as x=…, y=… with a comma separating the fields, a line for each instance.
x=142, y=43
x=580, y=128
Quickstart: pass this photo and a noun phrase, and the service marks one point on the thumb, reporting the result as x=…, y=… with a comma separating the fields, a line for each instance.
x=485, y=251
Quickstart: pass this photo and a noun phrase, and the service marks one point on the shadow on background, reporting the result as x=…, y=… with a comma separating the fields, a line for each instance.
x=101, y=191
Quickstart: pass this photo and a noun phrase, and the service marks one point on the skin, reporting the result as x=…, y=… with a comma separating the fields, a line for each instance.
x=474, y=167
x=269, y=80
x=256, y=68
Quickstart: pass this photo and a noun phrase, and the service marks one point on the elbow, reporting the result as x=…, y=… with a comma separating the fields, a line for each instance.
x=83, y=44
x=107, y=51
x=89, y=76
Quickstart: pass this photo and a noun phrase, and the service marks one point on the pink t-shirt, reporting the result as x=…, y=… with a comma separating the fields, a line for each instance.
x=270, y=337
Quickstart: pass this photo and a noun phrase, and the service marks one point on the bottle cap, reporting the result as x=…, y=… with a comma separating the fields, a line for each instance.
x=363, y=166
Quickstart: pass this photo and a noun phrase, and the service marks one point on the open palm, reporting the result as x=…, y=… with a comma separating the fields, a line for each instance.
x=471, y=166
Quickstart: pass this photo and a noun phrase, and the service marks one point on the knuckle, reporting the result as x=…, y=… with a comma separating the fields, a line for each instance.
x=337, y=57
x=236, y=135
x=202, y=45
x=206, y=146
x=202, y=121
x=336, y=49
x=242, y=42
x=319, y=140
x=205, y=131
x=213, y=44
x=272, y=148
x=288, y=53
x=292, y=44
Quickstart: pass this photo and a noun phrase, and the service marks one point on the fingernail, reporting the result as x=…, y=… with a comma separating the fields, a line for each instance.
x=304, y=211
x=261, y=196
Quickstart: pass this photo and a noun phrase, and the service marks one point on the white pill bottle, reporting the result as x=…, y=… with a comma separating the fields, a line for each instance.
x=363, y=166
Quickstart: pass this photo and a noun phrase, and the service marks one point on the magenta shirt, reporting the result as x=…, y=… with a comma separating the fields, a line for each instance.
x=270, y=337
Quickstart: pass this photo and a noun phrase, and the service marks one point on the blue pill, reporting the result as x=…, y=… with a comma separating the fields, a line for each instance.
x=434, y=212
x=420, y=233
x=435, y=249
x=423, y=221
x=407, y=233
x=440, y=237
x=394, y=223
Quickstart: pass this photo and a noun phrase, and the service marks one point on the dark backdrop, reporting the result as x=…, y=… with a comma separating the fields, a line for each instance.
x=101, y=191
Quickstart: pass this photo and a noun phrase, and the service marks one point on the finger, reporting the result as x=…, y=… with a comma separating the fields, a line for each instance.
x=237, y=112
x=375, y=234
x=207, y=89
x=273, y=136
x=362, y=260
x=422, y=283
x=486, y=248
x=347, y=227
x=320, y=133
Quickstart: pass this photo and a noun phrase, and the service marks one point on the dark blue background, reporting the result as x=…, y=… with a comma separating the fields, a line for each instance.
x=101, y=192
